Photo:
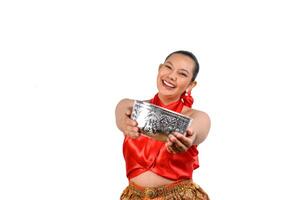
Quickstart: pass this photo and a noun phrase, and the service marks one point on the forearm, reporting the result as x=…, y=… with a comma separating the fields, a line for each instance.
x=200, y=137
x=123, y=109
x=200, y=126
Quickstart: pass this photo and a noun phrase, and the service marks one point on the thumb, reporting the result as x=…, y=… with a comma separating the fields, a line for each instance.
x=128, y=112
x=189, y=132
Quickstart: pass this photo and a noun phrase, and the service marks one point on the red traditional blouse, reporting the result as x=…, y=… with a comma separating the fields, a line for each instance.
x=144, y=153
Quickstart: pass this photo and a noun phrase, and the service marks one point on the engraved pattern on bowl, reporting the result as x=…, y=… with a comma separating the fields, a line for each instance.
x=158, y=122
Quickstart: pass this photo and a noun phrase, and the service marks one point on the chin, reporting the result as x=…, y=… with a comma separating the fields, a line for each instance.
x=162, y=90
x=167, y=93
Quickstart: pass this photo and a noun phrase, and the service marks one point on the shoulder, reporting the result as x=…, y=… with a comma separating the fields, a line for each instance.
x=200, y=123
x=200, y=119
x=196, y=114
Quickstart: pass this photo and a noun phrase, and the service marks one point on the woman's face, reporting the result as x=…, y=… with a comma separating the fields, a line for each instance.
x=175, y=76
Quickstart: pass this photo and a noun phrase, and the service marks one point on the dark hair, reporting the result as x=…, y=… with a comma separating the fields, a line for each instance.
x=193, y=57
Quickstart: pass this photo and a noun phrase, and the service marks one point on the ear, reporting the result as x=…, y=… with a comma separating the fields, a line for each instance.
x=191, y=86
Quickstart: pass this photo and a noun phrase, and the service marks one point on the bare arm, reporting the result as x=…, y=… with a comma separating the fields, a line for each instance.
x=123, y=121
x=196, y=133
x=200, y=126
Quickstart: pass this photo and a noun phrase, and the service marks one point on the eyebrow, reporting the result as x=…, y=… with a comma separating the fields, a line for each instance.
x=169, y=62
x=185, y=70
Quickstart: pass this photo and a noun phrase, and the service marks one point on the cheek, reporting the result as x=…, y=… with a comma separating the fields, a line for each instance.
x=162, y=73
x=183, y=83
x=159, y=75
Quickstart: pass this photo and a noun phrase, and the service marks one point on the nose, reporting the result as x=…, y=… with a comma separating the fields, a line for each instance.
x=172, y=76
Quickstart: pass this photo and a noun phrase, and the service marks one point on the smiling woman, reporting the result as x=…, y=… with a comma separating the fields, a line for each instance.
x=176, y=75
x=157, y=169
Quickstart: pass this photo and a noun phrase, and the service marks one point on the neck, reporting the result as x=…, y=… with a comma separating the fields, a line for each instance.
x=167, y=100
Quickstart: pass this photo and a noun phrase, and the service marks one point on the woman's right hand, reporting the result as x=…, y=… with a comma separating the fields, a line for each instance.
x=123, y=119
x=130, y=126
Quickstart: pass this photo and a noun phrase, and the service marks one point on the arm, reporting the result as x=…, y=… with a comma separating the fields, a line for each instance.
x=123, y=121
x=196, y=133
x=200, y=126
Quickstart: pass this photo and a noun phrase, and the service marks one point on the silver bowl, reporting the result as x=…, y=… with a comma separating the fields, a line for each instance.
x=158, y=122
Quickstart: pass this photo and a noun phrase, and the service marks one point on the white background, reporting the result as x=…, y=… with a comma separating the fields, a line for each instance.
x=64, y=65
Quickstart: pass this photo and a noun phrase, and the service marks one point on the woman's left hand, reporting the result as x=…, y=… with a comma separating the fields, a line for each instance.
x=177, y=142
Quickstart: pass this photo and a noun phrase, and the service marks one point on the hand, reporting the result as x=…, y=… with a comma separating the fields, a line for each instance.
x=177, y=142
x=129, y=126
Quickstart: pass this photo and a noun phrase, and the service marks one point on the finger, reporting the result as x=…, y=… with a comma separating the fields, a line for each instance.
x=131, y=122
x=172, y=138
x=184, y=140
x=133, y=135
x=128, y=112
x=171, y=150
x=176, y=144
x=132, y=131
x=168, y=148
x=129, y=125
x=169, y=145
x=189, y=132
x=180, y=146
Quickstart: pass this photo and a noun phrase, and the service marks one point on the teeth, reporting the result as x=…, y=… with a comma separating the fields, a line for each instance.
x=168, y=84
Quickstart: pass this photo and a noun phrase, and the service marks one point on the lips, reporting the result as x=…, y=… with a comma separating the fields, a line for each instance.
x=168, y=84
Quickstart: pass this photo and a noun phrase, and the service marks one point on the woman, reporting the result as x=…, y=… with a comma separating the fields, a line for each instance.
x=163, y=170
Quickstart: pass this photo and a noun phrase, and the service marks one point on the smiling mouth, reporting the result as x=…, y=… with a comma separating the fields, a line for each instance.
x=168, y=84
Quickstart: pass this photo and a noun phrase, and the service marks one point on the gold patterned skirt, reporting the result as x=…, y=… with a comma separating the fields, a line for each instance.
x=181, y=190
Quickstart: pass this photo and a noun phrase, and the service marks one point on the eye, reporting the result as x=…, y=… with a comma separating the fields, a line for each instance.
x=183, y=74
x=168, y=67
